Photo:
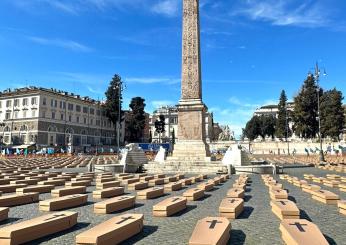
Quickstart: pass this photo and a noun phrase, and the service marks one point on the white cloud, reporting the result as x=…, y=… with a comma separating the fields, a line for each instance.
x=166, y=7
x=66, y=44
x=285, y=12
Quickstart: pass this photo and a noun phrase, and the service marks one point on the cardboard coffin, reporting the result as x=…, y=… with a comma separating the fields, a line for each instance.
x=4, y=213
x=326, y=197
x=301, y=232
x=36, y=188
x=18, y=199
x=108, y=192
x=63, y=202
x=235, y=193
x=150, y=193
x=105, y=185
x=137, y=186
x=114, y=204
x=285, y=209
x=278, y=194
x=79, y=183
x=154, y=182
x=231, y=207
x=68, y=191
x=206, y=186
x=33, y=229
x=11, y=188
x=169, y=206
x=52, y=182
x=211, y=231
x=112, y=231
x=194, y=194
x=342, y=206
x=175, y=186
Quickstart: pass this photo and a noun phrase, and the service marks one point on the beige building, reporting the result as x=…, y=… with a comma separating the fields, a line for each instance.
x=52, y=118
x=171, y=123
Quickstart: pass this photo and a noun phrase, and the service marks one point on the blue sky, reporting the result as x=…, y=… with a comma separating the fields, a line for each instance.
x=251, y=49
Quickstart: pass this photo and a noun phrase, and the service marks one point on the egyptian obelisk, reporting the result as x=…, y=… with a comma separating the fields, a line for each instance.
x=191, y=144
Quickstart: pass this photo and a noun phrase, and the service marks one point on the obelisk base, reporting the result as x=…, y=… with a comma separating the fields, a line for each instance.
x=191, y=144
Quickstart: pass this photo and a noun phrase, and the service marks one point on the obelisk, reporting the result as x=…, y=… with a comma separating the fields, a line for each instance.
x=191, y=144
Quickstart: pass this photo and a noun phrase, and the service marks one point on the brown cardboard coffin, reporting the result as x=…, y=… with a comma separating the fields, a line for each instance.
x=112, y=231
x=24, y=181
x=150, y=193
x=211, y=231
x=137, y=186
x=206, y=186
x=285, y=209
x=235, y=193
x=63, y=202
x=52, y=182
x=342, y=187
x=154, y=182
x=4, y=213
x=159, y=176
x=108, y=192
x=170, y=179
x=326, y=197
x=169, y=206
x=35, y=188
x=105, y=185
x=185, y=182
x=11, y=188
x=78, y=183
x=278, y=194
x=35, y=228
x=175, y=186
x=310, y=187
x=129, y=181
x=239, y=186
x=146, y=178
x=114, y=204
x=194, y=194
x=301, y=232
x=105, y=179
x=18, y=199
x=231, y=207
x=68, y=191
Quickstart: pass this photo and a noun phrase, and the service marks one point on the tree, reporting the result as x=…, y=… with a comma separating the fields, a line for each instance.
x=260, y=126
x=267, y=126
x=252, y=128
x=282, y=128
x=160, y=125
x=114, y=101
x=306, y=109
x=136, y=121
x=332, y=114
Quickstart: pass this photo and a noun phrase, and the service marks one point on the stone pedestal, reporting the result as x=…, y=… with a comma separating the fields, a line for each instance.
x=191, y=145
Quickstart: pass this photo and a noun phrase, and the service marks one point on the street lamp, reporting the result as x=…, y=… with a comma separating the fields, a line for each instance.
x=1, y=137
x=119, y=86
x=287, y=129
x=317, y=78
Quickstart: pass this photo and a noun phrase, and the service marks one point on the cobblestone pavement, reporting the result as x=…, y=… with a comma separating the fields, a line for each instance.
x=256, y=225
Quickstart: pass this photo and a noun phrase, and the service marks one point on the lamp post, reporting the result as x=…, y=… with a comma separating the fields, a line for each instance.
x=119, y=86
x=317, y=78
x=1, y=137
x=287, y=128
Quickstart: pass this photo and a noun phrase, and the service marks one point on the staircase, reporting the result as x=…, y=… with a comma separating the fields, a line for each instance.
x=185, y=167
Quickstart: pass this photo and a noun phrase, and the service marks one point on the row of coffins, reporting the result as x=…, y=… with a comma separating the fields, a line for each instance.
x=294, y=230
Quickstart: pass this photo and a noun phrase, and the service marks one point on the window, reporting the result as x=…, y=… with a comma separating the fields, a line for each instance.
x=70, y=118
x=16, y=102
x=34, y=101
x=61, y=116
x=60, y=104
x=15, y=114
x=33, y=113
x=44, y=101
x=98, y=123
x=24, y=114
x=85, y=109
x=55, y=103
x=64, y=105
x=78, y=108
x=92, y=111
x=77, y=119
x=91, y=121
x=8, y=103
x=70, y=107
x=43, y=114
x=85, y=120
x=8, y=115
x=53, y=115
x=25, y=102
x=98, y=112
x=51, y=102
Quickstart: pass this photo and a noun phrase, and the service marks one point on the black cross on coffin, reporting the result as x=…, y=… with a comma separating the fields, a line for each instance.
x=123, y=198
x=55, y=216
x=176, y=199
x=213, y=223
x=299, y=226
x=231, y=200
x=124, y=219
x=282, y=202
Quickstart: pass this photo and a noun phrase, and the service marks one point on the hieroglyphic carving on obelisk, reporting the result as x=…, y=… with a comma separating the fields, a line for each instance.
x=191, y=64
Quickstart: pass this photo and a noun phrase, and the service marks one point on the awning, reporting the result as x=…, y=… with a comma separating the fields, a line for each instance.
x=22, y=146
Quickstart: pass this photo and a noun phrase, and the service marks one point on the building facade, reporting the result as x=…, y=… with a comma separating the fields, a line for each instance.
x=171, y=124
x=52, y=118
